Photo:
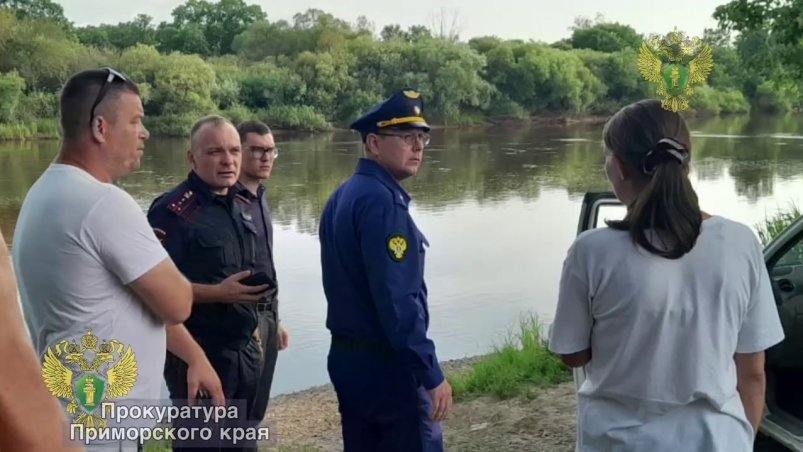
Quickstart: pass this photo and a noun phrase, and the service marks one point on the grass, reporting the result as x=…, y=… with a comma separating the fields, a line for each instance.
x=773, y=225
x=520, y=364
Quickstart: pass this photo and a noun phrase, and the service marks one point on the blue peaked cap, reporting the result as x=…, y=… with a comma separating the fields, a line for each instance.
x=404, y=108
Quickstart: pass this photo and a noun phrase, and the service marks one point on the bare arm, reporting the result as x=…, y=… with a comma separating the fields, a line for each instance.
x=205, y=293
x=181, y=344
x=751, y=382
x=27, y=409
x=228, y=291
x=201, y=376
x=578, y=359
x=166, y=292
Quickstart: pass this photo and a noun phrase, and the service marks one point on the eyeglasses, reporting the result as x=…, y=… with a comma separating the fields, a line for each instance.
x=109, y=79
x=409, y=138
x=259, y=151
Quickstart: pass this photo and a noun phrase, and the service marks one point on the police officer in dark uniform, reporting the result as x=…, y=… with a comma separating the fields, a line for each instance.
x=391, y=391
x=213, y=242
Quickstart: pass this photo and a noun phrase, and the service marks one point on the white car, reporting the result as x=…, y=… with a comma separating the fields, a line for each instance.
x=783, y=415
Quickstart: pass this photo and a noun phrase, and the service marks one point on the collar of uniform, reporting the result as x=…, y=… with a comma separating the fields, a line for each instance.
x=245, y=192
x=204, y=190
x=371, y=168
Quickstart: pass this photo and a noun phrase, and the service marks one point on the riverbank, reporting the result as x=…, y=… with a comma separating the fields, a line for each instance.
x=172, y=127
x=543, y=418
x=517, y=398
x=162, y=127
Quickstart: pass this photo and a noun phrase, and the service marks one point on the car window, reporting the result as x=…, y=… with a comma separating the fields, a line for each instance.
x=609, y=212
x=793, y=256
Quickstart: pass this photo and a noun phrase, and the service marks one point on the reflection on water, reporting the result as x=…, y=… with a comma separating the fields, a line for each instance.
x=499, y=208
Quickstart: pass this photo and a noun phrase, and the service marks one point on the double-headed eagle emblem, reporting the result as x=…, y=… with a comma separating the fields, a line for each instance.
x=87, y=374
x=689, y=62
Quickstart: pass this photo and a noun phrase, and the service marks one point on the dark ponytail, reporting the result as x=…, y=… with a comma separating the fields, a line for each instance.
x=656, y=145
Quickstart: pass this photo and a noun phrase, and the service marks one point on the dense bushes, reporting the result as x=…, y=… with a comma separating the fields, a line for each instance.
x=320, y=71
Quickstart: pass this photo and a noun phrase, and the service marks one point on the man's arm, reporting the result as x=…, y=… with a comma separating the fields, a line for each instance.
x=396, y=285
x=166, y=292
x=751, y=383
x=578, y=359
x=228, y=291
x=127, y=246
x=30, y=417
x=200, y=373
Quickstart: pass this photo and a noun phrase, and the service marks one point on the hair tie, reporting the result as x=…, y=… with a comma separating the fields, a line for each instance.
x=666, y=147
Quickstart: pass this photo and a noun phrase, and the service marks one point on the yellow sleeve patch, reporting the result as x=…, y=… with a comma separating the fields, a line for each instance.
x=397, y=247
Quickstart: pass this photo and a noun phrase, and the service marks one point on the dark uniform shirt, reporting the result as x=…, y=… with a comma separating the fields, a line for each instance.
x=257, y=209
x=209, y=237
x=372, y=257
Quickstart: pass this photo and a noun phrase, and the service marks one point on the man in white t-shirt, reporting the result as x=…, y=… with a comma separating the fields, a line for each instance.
x=97, y=287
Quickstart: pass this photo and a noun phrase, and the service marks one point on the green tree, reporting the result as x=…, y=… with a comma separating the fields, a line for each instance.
x=266, y=85
x=188, y=39
x=121, y=36
x=619, y=75
x=42, y=54
x=11, y=87
x=36, y=9
x=781, y=19
x=541, y=78
x=606, y=37
x=183, y=85
x=218, y=22
x=450, y=73
x=325, y=75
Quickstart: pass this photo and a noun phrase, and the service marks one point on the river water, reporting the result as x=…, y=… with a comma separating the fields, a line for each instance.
x=499, y=207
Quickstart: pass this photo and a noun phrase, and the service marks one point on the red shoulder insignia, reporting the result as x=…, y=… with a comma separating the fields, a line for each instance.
x=183, y=205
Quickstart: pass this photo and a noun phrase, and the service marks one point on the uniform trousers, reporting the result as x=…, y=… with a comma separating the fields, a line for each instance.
x=383, y=408
x=239, y=372
x=268, y=336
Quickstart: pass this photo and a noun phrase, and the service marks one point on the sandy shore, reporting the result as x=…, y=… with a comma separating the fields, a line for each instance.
x=543, y=421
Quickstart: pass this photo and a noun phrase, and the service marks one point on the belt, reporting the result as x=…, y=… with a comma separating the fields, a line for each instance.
x=360, y=345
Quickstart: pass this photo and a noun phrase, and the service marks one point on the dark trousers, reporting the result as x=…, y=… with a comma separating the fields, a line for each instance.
x=238, y=370
x=382, y=406
x=269, y=340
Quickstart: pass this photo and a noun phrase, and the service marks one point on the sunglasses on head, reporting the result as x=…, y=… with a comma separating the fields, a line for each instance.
x=102, y=93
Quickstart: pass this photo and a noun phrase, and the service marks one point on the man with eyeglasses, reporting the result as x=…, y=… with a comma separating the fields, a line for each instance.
x=391, y=391
x=259, y=154
x=89, y=267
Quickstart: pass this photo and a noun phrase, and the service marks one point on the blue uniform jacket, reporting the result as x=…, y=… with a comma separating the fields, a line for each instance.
x=209, y=237
x=372, y=257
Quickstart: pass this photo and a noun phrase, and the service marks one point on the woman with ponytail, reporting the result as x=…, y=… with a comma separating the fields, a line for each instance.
x=669, y=309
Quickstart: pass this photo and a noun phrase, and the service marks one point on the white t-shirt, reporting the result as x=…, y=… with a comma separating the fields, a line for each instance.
x=662, y=335
x=77, y=244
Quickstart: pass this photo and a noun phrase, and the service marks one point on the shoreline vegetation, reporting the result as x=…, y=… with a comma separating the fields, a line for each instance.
x=318, y=72
x=48, y=129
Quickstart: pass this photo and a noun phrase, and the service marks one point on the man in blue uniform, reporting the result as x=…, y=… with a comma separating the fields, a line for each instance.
x=213, y=242
x=259, y=151
x=391, y=391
